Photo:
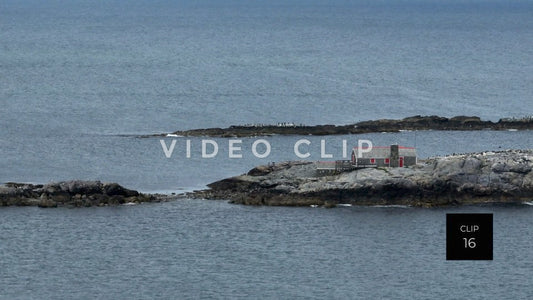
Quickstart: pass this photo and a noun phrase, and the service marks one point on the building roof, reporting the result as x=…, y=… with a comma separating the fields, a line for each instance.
x=384, y=152
x=388, y=147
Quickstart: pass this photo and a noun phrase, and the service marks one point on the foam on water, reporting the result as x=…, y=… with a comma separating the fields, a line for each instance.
x=391, y=206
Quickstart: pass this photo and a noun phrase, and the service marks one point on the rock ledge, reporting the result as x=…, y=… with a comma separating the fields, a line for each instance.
x=70, y=193
x=488, y=177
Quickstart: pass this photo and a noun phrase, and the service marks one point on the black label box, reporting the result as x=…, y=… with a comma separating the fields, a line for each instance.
x=469, y=236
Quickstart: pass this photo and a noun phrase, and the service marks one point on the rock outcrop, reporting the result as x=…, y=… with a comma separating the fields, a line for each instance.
x=489, y=177
x=70, y=193
x=383, y=125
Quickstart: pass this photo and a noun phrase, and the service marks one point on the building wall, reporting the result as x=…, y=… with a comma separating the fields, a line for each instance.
x=409, y=160
x=383, y=162
x=383, y=157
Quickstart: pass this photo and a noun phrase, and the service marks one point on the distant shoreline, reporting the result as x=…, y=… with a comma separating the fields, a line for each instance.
x=466, y=123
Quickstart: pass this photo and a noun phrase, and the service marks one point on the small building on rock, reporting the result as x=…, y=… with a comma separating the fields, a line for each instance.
x=394, y=156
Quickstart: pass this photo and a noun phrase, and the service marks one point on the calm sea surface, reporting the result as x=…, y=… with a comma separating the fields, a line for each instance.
x=79, y=80
x=204, y=249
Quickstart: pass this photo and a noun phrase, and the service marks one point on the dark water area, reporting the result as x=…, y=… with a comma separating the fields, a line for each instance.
x=212, y=249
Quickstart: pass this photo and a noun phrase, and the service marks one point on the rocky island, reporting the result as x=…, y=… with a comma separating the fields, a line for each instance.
x=488, y=177
x=74, y=193
x=383, y=125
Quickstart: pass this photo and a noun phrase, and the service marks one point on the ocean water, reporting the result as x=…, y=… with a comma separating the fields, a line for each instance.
x=81, y=80
x=140, y=163
x=149, y=66
x=212, y=249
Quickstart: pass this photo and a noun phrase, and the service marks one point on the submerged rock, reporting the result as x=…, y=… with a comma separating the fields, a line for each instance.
x=501, y=177
x=75, y=193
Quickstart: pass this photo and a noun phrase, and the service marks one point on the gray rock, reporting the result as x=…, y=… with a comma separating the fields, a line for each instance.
x=75, y=193
x=460, y=179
